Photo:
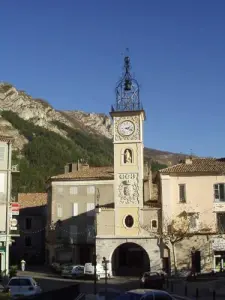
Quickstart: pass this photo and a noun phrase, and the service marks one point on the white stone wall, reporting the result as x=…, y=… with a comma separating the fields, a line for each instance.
x=105, y=247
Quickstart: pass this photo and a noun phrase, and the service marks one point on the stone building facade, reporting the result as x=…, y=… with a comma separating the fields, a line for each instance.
x=196, y=187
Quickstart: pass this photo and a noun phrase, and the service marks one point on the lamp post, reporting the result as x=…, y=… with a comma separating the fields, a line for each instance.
x=105, y=265
x=97, y=210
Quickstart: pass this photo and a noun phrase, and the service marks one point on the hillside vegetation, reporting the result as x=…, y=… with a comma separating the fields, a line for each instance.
x=47, y=152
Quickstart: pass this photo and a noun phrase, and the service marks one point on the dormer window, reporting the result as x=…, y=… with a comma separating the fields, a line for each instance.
x=219, y=190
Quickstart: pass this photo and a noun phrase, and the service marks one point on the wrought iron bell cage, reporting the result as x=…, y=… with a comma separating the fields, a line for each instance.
x=127, y=91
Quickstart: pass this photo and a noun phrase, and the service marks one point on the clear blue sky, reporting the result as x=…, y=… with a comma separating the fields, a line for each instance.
x=70, y=53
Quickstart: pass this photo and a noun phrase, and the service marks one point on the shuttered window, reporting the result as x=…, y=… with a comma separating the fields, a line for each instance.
x=2, y=153
x=59, y=210
x=73, y=190
x=73, y=234
x=90, y=209
x=75, y=209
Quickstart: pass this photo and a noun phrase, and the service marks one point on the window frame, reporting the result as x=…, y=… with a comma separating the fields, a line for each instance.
x=182, y=185
x=90, y=191
x=73, y=235
x=75, y=204
x=25, y=239
x=154, y=220
x=90, y=212
x=194, y=217
x=73, y=190
x=2, y=153
x=26, y=227
x=59, y=205
x=219, y=191
x=91, y=238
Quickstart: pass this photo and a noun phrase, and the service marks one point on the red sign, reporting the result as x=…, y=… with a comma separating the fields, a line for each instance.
x=15, y=208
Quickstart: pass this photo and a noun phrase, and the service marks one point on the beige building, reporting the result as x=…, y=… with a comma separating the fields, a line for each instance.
x=197, y=187
x=110, y=212
x=6, y=172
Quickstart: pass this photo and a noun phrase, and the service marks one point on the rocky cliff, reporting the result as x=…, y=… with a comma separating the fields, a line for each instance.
x=41, y=113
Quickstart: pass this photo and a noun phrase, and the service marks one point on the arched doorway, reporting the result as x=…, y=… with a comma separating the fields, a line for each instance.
x=130, y=259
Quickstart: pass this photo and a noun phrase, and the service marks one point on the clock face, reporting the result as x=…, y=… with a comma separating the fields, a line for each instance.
x=126, y=128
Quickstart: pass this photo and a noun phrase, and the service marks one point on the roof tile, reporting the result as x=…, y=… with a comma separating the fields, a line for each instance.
x=32, y=199
x=198, y=165
x=89, y=173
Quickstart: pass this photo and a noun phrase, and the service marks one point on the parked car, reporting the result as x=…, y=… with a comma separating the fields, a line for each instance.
x=100, y=271
x=152, y=280
x=22, y=287
x=143, y=294
x=73, y=271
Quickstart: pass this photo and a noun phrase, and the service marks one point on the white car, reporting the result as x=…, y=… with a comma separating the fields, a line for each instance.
x=100, y=271
x=73, y=271
x=23, y=286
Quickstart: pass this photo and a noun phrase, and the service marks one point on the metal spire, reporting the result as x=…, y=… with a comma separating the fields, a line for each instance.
x=127, y=90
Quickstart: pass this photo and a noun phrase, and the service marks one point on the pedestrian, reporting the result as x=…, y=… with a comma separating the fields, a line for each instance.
x=23, y=263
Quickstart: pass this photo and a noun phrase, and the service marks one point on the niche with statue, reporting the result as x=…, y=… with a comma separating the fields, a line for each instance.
x=128, y=156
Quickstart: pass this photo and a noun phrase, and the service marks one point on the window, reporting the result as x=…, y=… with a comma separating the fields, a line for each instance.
x=20, y=282
x=90, y=233
x=28, y=223
x=2, y=153
x=129, y=221
x=219, y=192
x=193, y=222
x=73, y=190
x=75, y=209
x=73, y=234
x=182, y=193
x=60, y=190
x=28, y=242
x=2, y=183
x=154, y=224
x=90, y=209
x=59, y=210
x=90, y=190
x=221, y=222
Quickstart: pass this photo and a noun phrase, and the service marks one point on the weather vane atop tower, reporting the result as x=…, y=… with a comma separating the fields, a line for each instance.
x=127, y=90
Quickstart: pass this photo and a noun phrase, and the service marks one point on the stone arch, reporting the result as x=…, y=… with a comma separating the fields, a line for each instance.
x=129, y=259
x=128, y=156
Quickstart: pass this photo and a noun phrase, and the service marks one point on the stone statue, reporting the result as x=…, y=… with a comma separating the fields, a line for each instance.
x=127, y=156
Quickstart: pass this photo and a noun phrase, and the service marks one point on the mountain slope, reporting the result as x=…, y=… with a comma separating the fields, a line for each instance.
x=46, y=139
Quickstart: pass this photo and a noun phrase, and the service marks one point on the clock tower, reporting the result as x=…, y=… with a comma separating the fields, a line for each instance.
x=128, y=117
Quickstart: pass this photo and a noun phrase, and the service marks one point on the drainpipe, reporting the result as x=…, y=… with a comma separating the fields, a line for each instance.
x=8, y=200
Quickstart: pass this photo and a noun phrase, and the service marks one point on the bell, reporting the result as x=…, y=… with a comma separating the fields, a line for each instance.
x=127, y=86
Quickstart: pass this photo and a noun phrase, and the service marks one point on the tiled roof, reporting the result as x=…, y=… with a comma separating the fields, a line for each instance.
x=6, y=138
x=198, y=165
x=96, y=173
x=32, y=199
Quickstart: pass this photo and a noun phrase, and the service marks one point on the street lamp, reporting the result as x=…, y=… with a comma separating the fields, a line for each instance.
x=97, y=210
x=105, y=265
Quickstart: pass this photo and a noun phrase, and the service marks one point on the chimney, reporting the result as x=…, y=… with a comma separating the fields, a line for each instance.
x=75, y=167
x=188, y=160
x=82, y=165
x=66, y=168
